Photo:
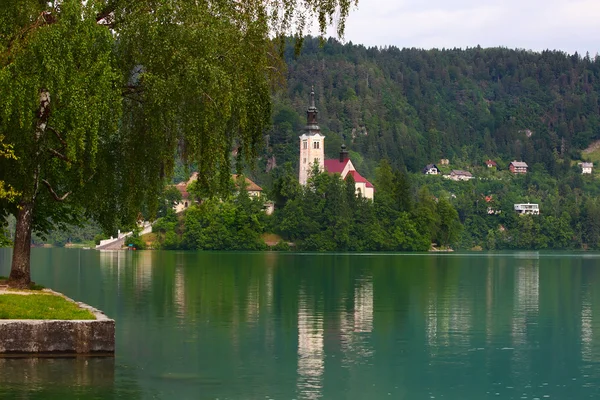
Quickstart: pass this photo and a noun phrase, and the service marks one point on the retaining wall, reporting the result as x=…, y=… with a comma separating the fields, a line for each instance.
x=22, y=336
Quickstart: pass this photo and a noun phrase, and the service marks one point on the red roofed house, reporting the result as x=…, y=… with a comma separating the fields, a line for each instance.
x=312, y=150
x=491, y=164
x=518, y=167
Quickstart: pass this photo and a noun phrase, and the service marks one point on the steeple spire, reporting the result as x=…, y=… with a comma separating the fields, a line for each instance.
x=311, y=113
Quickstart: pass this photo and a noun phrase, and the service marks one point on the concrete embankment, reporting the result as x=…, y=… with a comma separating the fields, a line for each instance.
x=59, y=337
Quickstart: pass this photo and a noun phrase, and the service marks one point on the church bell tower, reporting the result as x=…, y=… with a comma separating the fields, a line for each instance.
x=312, y=149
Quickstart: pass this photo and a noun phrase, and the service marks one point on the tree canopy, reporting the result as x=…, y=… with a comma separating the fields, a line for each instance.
x=99, y=96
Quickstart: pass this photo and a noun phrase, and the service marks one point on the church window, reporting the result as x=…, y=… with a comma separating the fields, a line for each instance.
x=315, y=145
x=304, y=162
x=305, y=143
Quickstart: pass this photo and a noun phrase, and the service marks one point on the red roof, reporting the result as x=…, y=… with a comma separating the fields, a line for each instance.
x=359, y=178
x=334, y=166
x=250, y=186
x=182, y=187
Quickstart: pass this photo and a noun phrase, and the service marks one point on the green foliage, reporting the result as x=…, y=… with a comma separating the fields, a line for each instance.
x=40, y=306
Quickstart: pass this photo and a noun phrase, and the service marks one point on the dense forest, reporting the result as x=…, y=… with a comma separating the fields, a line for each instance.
x=414, y=106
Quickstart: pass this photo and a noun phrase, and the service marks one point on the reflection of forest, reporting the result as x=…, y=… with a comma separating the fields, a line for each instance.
x=337, y=315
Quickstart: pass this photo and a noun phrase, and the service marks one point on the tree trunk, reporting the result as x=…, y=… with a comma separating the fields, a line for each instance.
x=20, y=274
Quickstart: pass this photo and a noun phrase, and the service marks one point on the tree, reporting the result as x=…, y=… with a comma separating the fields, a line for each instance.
x=98, y=96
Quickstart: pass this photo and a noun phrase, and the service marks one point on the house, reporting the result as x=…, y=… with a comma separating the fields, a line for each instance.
x=252, y=188
x=518, y=167
x=431, y=169
x=344, y=167
x=491, y=164
x=444, y=161
x=253, y=191
x=312, y=152
x=527, y=208
x=586, y=167
x=459, y=175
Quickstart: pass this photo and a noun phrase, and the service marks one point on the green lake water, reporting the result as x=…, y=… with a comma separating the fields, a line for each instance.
x=324, y=326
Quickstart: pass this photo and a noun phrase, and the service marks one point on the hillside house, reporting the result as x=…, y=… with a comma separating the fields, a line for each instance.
x=527, y=208
x=518, y=167
x=444, y=161
x=586, y=167
x=431, y=169
x=459, y=175
x=491, y=164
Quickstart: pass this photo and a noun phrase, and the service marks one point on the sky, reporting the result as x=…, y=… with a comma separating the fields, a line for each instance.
x=567, y=25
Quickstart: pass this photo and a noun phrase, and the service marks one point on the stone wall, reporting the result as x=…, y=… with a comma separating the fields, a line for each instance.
x=58, y=336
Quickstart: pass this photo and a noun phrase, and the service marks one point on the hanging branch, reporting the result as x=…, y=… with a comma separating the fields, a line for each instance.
x=53, y=193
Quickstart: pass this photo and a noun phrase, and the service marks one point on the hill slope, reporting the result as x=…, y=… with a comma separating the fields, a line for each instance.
x=415, y=106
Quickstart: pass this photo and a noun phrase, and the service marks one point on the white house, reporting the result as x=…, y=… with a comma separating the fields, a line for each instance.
x=431, y=169
x=586, y=167
x=527, y=208
x=344, y=167
x=459, y=175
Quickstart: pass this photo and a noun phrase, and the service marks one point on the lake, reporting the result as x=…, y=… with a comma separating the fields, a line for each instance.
x=522, y=325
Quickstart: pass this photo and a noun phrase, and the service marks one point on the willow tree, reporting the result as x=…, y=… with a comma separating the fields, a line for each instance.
x=99, y=95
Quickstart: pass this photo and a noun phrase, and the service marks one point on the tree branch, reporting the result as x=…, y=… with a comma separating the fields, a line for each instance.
x=60, y=155
x=53, y=193
x=57, y=135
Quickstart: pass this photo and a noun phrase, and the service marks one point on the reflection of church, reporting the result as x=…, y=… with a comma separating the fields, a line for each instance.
x=312, y=150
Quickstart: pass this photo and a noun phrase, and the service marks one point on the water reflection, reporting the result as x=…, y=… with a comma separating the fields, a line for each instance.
x=267, y=325
x=310, y=351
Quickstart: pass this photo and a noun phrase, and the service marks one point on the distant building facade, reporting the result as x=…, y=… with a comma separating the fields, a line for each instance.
x=252, y=188
x=491, y=164
x=527, y=208
x=459, y=175
x=444, y=161
x=518, y=167
x=586, y=167
x=431, y=169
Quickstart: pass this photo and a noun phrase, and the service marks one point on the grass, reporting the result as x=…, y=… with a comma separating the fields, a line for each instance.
x=40, y=306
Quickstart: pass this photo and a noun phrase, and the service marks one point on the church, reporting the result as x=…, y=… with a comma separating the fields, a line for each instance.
x=312, y=150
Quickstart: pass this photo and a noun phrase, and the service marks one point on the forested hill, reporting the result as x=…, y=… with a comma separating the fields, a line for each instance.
x=415, y=106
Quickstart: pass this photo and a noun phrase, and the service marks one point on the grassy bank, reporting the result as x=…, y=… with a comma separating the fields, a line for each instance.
x=40, y=306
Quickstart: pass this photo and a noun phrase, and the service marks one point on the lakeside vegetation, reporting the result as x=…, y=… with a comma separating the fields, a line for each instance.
x=409, y=213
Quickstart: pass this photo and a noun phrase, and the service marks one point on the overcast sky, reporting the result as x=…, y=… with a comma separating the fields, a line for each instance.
x=568, y=25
